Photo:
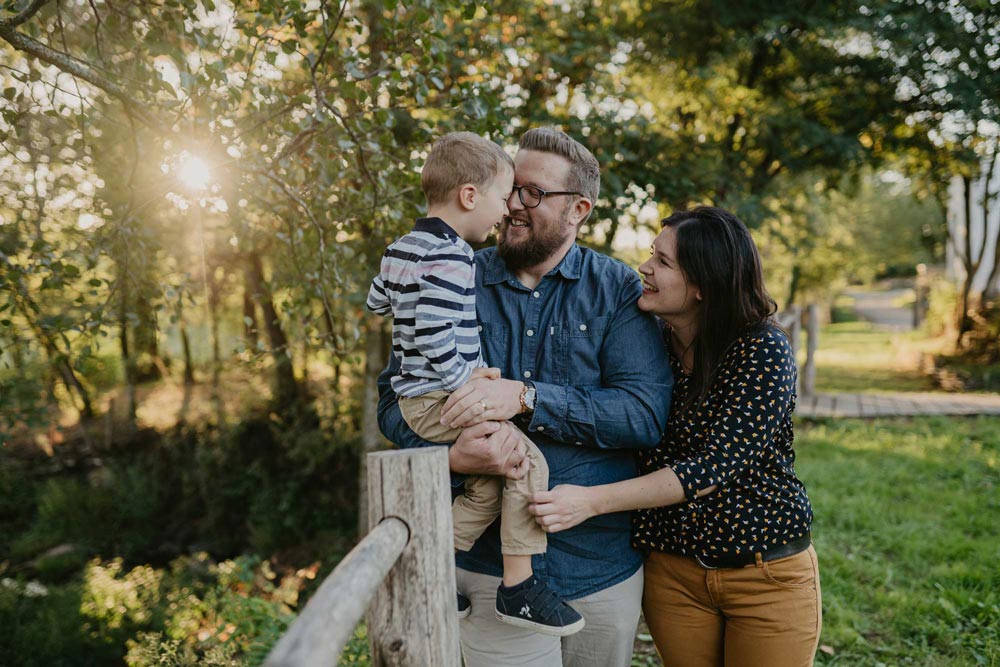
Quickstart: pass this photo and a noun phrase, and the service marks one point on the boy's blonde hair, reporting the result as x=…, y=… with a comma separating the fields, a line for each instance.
x=458, y=158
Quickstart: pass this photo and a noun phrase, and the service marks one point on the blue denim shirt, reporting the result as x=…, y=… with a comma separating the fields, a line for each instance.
x=603, y=387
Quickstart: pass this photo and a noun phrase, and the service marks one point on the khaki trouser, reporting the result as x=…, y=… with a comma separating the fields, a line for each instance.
x=763, y=615
x=606, y=640
x=486, y=496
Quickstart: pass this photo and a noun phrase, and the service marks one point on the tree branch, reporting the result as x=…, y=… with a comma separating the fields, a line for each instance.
x=77, y=68
x=17, y=19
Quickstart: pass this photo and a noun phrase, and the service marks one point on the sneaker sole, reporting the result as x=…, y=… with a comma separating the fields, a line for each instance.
x=564, y=631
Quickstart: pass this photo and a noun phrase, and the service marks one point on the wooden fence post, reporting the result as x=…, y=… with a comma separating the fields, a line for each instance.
x=812, y=342
x=412, y=620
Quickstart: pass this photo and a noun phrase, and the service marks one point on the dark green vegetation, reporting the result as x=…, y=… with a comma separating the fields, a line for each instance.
x=158, y=539
x=907, y=530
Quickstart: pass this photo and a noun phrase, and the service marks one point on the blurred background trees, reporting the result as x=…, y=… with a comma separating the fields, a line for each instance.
x=195, y=196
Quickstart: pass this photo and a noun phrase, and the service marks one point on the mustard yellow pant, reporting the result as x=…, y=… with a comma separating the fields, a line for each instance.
x=486, y=496
x=763, y=615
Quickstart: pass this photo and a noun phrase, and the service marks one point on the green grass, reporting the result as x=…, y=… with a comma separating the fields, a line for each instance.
x=908, y=534
x=855, y=357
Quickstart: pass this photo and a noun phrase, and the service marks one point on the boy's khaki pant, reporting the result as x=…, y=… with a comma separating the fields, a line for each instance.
x=486, y=496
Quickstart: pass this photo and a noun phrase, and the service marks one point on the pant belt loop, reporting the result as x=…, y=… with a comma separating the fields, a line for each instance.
x=760, y=559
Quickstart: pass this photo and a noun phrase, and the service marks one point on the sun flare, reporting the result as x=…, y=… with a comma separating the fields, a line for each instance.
x=193, y=172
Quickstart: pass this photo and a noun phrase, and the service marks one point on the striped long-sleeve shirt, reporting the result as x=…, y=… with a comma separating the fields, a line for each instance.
x=427, y=281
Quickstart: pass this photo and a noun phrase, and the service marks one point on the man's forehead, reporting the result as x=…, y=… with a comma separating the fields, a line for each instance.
x=540, y=166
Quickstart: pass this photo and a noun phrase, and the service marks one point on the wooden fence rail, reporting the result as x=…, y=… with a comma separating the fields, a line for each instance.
x=402, y=573
x=791, y=321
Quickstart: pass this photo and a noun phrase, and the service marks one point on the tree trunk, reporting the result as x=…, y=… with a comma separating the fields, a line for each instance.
x=286, y=387
x=145, y=348
x=793, y=286
x=188, y=364
x=971, y=267
x=214, y=298
x=128, y=358
x=249, y=311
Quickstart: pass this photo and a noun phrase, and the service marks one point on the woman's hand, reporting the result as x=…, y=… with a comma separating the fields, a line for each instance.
x=563, y=507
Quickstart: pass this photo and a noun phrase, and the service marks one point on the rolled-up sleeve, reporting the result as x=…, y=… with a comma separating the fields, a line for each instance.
x=757, y=382
x=630, y=408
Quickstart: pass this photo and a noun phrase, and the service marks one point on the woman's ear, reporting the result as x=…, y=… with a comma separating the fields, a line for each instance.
x=468, y=194
x=697, y=295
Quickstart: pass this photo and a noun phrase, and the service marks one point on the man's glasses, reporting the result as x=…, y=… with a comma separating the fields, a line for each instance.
x=531, y=196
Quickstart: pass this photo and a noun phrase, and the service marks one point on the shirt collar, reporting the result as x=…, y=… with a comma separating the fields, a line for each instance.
x=570, y=268
x=434, y=226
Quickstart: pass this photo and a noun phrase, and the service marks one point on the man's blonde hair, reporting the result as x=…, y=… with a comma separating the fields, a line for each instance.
x=584, y=170
x=458, y=158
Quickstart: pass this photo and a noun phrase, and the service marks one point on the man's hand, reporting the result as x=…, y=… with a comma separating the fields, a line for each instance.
x=563, y=507
x=482, y=400
x=490, y=448
x=490, y=373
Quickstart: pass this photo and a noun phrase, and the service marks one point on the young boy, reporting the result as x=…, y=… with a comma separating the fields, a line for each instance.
x=427, y=281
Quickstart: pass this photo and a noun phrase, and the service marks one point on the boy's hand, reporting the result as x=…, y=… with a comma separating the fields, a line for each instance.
x=488, y=373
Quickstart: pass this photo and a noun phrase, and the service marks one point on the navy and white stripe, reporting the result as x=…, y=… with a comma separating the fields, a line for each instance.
x=427, y=281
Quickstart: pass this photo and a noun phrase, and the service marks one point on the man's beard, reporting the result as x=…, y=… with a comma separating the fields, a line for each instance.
x=542, y=242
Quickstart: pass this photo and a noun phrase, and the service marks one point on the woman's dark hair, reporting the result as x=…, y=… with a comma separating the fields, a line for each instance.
x=717, y=253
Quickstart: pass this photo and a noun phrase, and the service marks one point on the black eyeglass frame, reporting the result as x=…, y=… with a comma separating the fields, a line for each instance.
x=542, y=194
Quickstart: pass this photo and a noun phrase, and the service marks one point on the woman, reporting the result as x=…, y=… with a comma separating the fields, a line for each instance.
x=731, y=575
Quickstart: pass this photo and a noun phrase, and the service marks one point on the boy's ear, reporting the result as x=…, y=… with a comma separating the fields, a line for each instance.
x=468, y=196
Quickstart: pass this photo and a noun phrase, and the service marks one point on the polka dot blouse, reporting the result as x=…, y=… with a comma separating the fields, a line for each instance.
x=740, y=439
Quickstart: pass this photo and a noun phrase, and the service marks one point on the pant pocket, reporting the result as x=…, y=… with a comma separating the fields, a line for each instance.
x=793, y=572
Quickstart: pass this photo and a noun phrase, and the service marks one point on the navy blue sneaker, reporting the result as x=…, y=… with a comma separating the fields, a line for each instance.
x=532, y=604
x=464, y=606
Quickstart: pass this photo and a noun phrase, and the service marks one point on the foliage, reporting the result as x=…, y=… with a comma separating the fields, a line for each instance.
x=194, y=612
x=227, y=491
x=312, y=120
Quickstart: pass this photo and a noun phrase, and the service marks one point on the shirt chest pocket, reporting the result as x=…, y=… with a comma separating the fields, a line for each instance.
x=577, y=350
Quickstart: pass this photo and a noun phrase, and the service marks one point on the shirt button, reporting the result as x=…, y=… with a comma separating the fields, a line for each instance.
x=579, y=443
x=540, y=428
x=527, y=374
x=583, y=327
x=536, y=294
x=480, y=327
x=529, y=332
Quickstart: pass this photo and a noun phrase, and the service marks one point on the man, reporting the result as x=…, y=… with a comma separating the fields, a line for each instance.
x=586, y=377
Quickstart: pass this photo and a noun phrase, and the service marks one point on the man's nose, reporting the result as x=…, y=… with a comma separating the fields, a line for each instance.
x=514, y=202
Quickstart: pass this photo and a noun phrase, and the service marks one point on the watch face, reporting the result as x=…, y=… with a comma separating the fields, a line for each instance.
x=529, y=398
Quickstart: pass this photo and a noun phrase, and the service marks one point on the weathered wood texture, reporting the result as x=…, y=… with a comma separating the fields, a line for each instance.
x=896, y=404
x=791, y=321
x=412, y=620
x=319, y=634
x=808, y=381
